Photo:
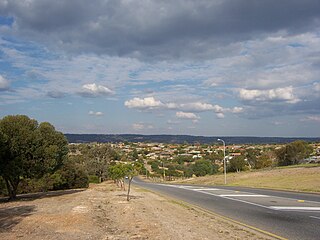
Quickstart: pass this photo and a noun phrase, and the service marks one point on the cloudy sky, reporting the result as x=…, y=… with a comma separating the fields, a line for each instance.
x=199, y=67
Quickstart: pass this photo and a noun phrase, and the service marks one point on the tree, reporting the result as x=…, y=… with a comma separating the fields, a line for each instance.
x=293, y=153
x=98, y=159
x=202, y=168
x=265, y=160
x=236, y=164
x=132, y=170
x=31, y=150
x=252, y=157
x=119, y=171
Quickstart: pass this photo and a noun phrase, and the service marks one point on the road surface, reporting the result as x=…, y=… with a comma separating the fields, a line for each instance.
x=285, y=214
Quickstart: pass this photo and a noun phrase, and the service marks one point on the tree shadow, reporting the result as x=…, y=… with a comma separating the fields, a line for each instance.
x=40, y=195
x=131, y=196
x=10, y=217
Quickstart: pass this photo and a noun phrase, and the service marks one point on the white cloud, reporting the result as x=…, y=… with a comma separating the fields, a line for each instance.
x=220, y=115
x=311, y=119
x=186, y=110
x=94, y=90
x=98, y=114
x=187, y=115
x=141, y=126
x=237, y=110
x=143, y=103
x=197, y=107
x=4, y=83
x=277, y=94
x=316, y=86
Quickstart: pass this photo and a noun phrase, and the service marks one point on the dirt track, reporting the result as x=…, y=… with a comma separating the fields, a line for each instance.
x=102, y=212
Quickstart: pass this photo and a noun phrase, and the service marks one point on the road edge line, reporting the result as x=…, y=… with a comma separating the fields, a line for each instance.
x=201, y=209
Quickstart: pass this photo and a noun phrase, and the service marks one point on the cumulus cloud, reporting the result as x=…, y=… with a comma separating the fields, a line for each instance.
x=142, y=126
x=220, y=115
x=187, y=115
x=93, y=113
x=94, y=90
x=143, y=103
x=198, y=107
x=278, y=94
x=186, y=110
x=4, y=83
x=237, y=110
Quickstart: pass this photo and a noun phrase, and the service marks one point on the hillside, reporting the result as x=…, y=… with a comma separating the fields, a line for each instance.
x=293, y=178
x=178, y=139
x=101, y=212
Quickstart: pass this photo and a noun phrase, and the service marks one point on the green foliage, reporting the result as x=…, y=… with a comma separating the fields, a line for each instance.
x=293, y=153
x=155, y=166
x=117, y=171
x=96, y=158
x=202, y=168
x=31, y=150
x=237, y=164
x=265, y=160
x=71, y=175
x=252, y=157
x=93, y=179
x=181, y=159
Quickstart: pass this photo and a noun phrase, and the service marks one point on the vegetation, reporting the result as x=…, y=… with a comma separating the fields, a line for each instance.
x=29, y=150
x=36, y=157
x=295, y=177
x=293, y=153
x=125, y=170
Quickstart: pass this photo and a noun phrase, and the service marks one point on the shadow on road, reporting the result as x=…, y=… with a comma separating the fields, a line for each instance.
x=10, y=217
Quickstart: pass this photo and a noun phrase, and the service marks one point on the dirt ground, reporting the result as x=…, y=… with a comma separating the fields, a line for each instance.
x=102, y=212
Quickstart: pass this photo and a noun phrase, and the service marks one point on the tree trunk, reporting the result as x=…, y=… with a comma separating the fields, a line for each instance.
x=129, y=186
x=12, y=187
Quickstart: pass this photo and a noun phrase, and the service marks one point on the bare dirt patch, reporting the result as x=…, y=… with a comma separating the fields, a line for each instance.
x=102, y=212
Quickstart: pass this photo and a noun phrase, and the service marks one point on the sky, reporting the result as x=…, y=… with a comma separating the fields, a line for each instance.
x=196, y=67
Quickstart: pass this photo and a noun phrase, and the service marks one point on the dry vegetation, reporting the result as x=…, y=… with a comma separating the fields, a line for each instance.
x=102, y=212
x=289, y=178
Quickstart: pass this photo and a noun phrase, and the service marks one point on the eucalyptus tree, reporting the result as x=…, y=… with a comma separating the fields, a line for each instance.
x=28, y=150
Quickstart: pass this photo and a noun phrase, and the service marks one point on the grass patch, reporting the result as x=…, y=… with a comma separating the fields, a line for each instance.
x=295, y=178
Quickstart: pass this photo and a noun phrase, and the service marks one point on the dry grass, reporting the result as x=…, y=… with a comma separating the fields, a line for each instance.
x=297, y=179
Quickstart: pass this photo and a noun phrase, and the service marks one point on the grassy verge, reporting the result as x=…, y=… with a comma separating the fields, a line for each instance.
x=295, y=178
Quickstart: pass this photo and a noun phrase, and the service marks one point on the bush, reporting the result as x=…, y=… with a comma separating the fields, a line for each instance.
x=93, y=179
x=202, y=168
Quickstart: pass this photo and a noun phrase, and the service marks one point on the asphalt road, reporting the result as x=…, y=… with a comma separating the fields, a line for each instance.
x=285, y=214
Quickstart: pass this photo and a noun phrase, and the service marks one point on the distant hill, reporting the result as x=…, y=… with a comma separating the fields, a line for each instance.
x=114, y=138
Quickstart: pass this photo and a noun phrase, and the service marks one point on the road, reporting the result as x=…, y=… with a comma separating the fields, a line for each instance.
x=286, y=214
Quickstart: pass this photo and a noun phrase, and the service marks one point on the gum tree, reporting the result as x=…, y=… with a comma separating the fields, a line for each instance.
x=28, y=150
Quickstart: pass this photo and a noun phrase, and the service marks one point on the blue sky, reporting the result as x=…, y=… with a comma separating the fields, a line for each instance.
x=232, y=68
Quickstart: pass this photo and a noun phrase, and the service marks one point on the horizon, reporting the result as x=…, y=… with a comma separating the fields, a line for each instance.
x=190, y=135
x=198, y=68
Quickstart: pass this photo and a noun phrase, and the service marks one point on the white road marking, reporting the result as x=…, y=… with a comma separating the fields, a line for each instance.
x=315, y=217
x=243, y=195
x=205, y=189
x=232, y=197
x=296, y=208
